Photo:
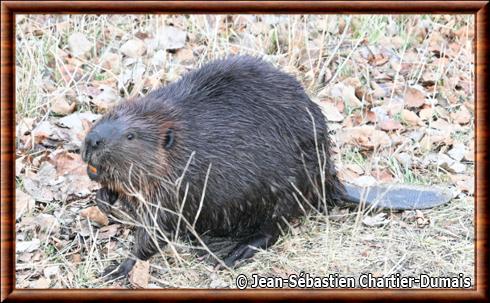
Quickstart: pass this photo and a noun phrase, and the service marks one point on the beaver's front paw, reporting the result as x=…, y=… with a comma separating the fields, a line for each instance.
x=105, y=198
x=114, y=272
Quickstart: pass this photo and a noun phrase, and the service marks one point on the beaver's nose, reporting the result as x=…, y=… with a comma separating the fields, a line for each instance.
x=93, y=141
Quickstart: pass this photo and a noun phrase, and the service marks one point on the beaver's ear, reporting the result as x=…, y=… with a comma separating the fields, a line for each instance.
x=169, y=139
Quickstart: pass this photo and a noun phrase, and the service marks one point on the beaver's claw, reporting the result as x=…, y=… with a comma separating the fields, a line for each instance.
x=115, y=272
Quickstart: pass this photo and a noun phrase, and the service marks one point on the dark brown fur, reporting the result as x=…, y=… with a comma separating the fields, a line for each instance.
x=237, y=129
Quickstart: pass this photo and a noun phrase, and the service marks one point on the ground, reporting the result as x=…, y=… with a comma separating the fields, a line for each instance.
x=397, y=91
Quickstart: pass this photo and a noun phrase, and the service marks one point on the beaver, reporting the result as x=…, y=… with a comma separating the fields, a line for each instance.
x=229, y=153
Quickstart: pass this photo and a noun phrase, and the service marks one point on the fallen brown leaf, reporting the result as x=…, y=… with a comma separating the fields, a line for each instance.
x=67, y=163
x=390, y=124
x=24, y=203
x=140, y=275
x=94, y=214
x=462, y=116
x=414, y=97
x=410, y=118
x=61, y=106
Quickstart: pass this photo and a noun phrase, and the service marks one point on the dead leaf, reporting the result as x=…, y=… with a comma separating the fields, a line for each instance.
x=464, y=183
x=44, y=224
x=390, y=124
x=457, y=152
x=76, y=258
x=51, y=271
x=140, y=274
x=449, y=164
x=378, y=90
x=109, y=231
x=67, y=163
x=364, y=181
x=94, y=214
x=376, y=220
x=331, y=112
x=426, y=114
x=383, y=175
x=19, y=166
x=170, y=37
x=414, y=97
x=42, y=282
x=24, y=127
x=378, y=59
x=405, y=159
x=79, y=44
x=42, y=131
x=185, y=56
x=75, y=120
x=38, y=185
x=133, y=48
x=70, y=72
x=410, y=118
x=365, y=135
x=470, y=153
x=61, y=106
x=112, y=62
x=23, y=203
x=106, y=99
x=355, y=168
x=421, y=220
x=462, y=116
x=27, y=246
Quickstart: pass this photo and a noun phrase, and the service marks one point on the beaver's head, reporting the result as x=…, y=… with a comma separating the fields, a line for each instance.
x=129, y=145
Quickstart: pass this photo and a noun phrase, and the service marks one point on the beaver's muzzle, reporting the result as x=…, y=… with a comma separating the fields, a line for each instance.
x=93, y=142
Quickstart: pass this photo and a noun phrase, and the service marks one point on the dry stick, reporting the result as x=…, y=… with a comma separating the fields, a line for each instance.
x=146, y=226
x=342, y=38
x=201, y=202
x=307, y=45
x=193, y=231
x=398, y=70
x=347, y=59
x=182, y=218
x=320, y=55
x=322, y=172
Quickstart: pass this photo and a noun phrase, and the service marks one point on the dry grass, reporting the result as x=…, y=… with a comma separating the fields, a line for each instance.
x=321, y=51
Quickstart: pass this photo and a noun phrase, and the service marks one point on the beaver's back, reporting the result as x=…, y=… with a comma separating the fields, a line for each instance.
x=253, y=124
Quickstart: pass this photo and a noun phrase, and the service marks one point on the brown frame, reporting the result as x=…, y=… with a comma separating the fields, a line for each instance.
x=8, y=10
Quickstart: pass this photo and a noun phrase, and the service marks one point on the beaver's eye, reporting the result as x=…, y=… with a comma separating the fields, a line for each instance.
x=169, y=138
x=130, y=136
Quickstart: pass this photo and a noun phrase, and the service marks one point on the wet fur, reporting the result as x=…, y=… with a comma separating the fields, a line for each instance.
x=240, y=125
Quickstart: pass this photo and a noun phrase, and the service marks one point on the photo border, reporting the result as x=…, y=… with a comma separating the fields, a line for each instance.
x=10, y=8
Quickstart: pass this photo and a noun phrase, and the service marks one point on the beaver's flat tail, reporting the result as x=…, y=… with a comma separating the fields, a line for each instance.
x=397, y=196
